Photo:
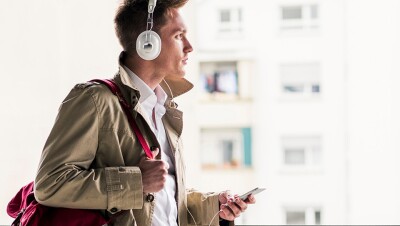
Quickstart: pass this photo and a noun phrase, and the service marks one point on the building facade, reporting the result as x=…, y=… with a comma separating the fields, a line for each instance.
x=274, y=106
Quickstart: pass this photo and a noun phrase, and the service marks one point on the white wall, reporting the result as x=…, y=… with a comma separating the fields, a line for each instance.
x=374, y=109
x=45, y=48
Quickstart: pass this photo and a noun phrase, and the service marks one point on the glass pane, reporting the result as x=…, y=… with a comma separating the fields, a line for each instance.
x=294, y=156
x=316, y=155
x=291, y=12
x=239, y=15
x=225, y=16
x=293, y=88
x=295, y=217
x=315, y=88
x=318, y=217
x=227, y=149
x=314, y=11
x=226, y=82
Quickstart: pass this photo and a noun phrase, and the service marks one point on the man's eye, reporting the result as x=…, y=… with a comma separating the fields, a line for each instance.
x=179, y=36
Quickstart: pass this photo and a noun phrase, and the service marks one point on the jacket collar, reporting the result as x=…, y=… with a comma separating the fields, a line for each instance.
x=178, y=86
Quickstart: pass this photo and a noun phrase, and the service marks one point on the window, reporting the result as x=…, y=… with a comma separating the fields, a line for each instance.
x=225, y=16
x=295, y=217
x=292, y=12
x=303, y=216
x=299, y=17
x=219, y=78
x=226, y=80
x=295, y=156
x=301, y=151
x=230, y=20
x=225, y=148
x=300, y=79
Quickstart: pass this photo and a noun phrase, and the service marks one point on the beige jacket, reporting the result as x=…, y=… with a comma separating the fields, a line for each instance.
x=90, y=158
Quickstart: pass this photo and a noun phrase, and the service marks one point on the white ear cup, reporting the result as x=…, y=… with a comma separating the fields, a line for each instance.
x=148, y=45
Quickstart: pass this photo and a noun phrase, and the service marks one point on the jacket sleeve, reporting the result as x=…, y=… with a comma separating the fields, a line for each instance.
x=203, y=207
x=65, y=177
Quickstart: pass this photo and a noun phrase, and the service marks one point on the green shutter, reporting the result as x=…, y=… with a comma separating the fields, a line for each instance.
x=247, y=146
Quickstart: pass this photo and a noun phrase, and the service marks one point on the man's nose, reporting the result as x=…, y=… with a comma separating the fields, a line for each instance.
x=188, y=47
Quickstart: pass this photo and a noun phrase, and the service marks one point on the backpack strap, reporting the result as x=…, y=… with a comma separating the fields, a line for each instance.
x=127, y=109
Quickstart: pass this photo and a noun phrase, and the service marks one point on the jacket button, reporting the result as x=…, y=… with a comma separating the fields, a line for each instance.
x=150, y=198
x=113, y=210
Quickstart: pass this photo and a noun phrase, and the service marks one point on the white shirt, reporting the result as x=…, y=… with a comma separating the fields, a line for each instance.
x=165, y=210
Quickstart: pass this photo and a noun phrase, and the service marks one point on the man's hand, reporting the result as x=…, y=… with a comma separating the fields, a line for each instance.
x=232, y=206
x=154, y=173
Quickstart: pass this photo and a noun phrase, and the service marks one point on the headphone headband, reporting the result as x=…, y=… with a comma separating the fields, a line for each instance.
x=152, y=5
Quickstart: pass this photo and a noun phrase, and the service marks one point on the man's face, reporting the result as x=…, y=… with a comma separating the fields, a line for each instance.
x=174, y=46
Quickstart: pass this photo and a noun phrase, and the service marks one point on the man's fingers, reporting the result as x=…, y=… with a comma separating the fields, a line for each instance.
x=226, y=213
x=251, y=199
x=154, y=174
x=166, y=165
x=235, y=209
x=225, y=196
x=240, y=203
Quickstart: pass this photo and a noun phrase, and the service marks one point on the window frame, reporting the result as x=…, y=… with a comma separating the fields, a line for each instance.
x=312, y=146
x=310, y=214
x=307, y=79
x=235, y=23
x=309, y=19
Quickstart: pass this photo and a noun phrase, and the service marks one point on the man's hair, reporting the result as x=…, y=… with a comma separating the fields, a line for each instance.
x=131, y=19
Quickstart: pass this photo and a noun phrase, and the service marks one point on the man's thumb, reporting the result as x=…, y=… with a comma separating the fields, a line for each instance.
x=155, y=151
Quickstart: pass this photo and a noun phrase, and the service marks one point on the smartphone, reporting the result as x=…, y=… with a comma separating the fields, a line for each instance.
x=254, y=191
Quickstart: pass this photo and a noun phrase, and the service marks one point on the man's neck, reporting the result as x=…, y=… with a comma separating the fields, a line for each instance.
x=145, y=70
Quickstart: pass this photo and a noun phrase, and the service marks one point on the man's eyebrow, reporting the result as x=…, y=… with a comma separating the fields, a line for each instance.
x=184, y=30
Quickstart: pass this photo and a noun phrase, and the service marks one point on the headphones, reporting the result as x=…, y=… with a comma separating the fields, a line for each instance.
x=148, y=43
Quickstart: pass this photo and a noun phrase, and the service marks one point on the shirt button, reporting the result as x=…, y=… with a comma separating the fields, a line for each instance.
x=150, y=198
x=113, y=210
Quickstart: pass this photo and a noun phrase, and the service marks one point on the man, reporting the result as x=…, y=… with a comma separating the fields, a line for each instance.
x=92, y=159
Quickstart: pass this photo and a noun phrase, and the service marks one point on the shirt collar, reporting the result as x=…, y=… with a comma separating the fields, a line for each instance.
x=146, y=93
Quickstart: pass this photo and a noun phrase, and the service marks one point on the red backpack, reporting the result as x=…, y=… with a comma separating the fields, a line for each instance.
x=28, y=212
